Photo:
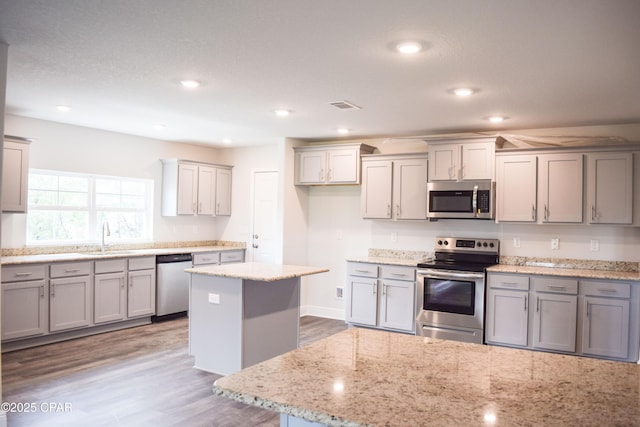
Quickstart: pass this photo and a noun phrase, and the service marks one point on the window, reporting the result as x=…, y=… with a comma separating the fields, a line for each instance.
x=68, y=208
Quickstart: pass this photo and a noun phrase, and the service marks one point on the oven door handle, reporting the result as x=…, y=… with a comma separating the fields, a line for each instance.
x=436, y=274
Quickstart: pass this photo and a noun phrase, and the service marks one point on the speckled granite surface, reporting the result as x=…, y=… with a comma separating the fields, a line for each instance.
x=579, y=264
x=363, y=377
x=257, y=271
x=394, y=257
x=84, y=253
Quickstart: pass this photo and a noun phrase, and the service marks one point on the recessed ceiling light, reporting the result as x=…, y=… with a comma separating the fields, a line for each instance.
x=190, y=84
x=409, y=47
x=63, y=108
x=463, y=91
x=159, y=126
x=227, y=141
x=282, y=112
x=344, y=131
x=496, y=119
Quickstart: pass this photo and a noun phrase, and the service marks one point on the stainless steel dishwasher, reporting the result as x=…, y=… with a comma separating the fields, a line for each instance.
x=172, y=290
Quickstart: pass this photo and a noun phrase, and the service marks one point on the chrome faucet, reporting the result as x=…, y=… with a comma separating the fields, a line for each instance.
x=105, y=232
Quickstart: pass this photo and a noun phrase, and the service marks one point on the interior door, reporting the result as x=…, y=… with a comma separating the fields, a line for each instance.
x=265, y=230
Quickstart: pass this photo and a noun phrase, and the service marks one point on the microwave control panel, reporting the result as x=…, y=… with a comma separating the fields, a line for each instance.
x=484, y=201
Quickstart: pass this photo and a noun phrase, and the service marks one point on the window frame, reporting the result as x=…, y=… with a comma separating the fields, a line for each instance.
x=94, y=225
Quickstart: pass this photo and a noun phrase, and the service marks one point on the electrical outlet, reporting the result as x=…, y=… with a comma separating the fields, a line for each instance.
x=516, y=242
x=214, y=298
x=595, y=245
x=555, y=244
x=339, y=292
x=394, y=236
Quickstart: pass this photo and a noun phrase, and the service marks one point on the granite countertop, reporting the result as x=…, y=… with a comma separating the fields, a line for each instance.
x=362, y=377
x=394, y=257
x=257, y=271
x=566, y=272
x=109, y=253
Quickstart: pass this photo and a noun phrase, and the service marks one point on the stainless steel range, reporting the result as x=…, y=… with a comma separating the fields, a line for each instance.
x=452, y=289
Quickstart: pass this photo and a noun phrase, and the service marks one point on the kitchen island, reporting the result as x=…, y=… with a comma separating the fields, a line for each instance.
x=242, y=314
x=363, y=377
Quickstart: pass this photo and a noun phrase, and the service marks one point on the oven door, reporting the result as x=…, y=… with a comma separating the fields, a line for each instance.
x=451, y=299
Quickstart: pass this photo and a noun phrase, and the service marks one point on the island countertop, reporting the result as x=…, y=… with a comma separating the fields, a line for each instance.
x=363, y=377
x=257, y=271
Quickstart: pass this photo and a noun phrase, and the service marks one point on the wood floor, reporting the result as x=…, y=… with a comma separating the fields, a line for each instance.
x=136, y=377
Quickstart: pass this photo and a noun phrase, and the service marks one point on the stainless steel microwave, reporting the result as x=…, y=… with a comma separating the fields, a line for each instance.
x=466, y=199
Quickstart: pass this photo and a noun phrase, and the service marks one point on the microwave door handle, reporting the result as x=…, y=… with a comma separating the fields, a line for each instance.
x=474, y=202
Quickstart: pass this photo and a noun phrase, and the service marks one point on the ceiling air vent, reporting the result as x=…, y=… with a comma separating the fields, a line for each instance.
x=345, y=105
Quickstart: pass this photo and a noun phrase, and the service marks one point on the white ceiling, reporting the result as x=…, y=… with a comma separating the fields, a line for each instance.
x=542, y=63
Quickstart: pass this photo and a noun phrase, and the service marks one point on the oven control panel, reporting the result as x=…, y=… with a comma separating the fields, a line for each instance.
x=457, y=244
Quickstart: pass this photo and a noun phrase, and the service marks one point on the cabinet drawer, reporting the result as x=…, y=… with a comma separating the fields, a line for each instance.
x=509, y=281
x=142, y=263
x=557, y=285
x=231, y=256
x=606, y=289
x=362, y=269
x=398, y=273
x=21, y=273
x=204, y=258
x=70, y=269
x=110, y=266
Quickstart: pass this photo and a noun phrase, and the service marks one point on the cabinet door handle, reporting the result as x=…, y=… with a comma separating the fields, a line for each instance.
x=23, y=274
x=546, y=213
x=53, y=291
x=122, y=282
x=375, y=287
x=525, y=302
x=384, y=289
x=593, y=213
x=193, y=208
x=533, y=212
x=329, y=174
x=397, y=211
x=42, y=291
x=321, y=175
x=588, y=309
x=537, y=304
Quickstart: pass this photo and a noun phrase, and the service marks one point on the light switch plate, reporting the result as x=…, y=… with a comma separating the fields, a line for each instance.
x=555, y=243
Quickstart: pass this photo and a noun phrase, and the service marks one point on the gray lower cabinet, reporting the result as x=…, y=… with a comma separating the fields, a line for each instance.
x=141, y=294
x=381, y=296
x=507, y=310
x=555, y=315
x=24, y=301
x=110, y=291
x=70, y=297
x=599, y=318
x=607, y=319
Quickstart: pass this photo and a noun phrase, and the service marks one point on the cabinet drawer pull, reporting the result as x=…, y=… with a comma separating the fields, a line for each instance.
x=608, y=291
x=71, y=270
x=509, y=283
x=399, y=274
x=364, y=271
x=557, y=287
x=23, y=274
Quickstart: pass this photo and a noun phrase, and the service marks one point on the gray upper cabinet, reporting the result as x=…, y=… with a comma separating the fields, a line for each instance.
x=561, y=187
x=461, y=161
x=516, y=188
x=191, y=188
x=610, y=188
x=15, y=174
x=337, y=164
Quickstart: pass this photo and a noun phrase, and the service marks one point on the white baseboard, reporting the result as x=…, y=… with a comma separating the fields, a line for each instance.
x=326, y=312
